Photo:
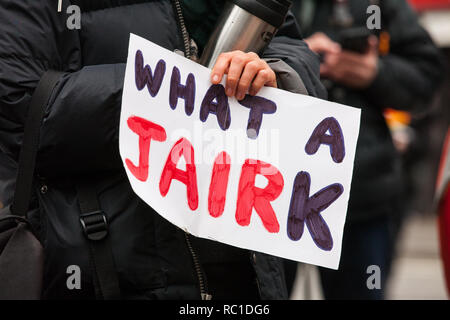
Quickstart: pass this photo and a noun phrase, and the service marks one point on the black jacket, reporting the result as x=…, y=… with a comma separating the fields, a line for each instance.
x=407, y=78
x=79, y=139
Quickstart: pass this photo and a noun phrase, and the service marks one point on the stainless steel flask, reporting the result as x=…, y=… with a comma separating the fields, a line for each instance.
x=246, y=25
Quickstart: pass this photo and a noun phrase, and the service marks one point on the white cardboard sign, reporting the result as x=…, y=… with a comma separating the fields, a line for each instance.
x=270, y=173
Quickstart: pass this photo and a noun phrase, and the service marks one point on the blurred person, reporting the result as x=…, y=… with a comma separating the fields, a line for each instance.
x=399, y=67
x=79, y=144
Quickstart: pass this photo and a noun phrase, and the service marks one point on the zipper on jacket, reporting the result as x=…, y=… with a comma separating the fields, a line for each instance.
x=182, y=25
x=253, y=262
x=203, y=285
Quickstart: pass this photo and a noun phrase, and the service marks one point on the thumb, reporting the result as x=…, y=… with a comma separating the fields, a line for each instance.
x=373, y=44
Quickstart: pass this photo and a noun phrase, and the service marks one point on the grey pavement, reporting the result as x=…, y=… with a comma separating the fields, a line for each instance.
x=417, y=271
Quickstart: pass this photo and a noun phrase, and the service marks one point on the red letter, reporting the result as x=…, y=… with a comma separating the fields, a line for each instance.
x=219, y=184
x=189, y=177
x=146, y=131
x=250, y=197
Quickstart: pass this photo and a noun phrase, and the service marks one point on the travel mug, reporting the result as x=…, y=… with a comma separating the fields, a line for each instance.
x=246, y=25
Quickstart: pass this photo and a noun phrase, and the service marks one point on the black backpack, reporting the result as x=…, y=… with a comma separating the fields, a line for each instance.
x=21, y=253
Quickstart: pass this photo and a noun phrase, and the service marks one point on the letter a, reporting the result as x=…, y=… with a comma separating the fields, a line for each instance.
x=74, y=20
x=335, y=139
x=374, y=21
x=374, y=280
x=74, y=280
x=216, y=102
x=189, y=177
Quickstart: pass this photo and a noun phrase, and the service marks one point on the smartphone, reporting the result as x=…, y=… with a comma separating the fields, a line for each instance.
x=355, y=39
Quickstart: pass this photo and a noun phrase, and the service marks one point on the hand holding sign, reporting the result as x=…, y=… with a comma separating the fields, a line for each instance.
x=245, y=72
x=251, y=173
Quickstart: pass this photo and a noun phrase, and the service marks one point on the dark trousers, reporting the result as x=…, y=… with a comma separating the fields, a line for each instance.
x=366, y=243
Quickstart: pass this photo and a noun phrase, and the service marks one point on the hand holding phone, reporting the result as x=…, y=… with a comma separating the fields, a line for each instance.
x=352, y=69
x=355, y=39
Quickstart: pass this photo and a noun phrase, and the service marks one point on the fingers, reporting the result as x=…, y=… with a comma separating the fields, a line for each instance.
x=220, y=67
x=373, y=44
x=251, y=70
x=321, y=43
x=350, y=57
x=265, y=77
x=350, y=69
x=237, y=65
x=347, y=57
x=246, y=72
x=324, y=70
x=334, y=66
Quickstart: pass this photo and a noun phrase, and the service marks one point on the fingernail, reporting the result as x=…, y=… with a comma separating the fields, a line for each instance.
x=215, y=78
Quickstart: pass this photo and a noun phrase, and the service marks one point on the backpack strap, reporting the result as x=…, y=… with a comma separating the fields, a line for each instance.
x=95, y=226
x=30, y=144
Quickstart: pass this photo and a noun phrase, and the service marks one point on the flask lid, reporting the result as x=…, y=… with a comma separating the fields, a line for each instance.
x=272, y=11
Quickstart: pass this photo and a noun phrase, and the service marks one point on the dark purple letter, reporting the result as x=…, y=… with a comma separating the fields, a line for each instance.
x=220, y=107
x=258, y=106
x=304, y=208
x=177, y=90
x=335, y=139
x=144, y=76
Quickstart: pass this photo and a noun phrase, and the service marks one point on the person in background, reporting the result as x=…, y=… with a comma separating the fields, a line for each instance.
x=398, y=67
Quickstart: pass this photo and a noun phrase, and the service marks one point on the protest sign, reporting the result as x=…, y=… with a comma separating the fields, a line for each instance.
x=271, y=173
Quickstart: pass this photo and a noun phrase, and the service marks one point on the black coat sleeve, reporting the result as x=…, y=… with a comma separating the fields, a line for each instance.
x=79, y=132
x=288, y=46
x=410, y=73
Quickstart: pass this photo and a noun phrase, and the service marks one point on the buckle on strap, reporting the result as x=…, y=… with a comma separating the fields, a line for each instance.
x=94, y=224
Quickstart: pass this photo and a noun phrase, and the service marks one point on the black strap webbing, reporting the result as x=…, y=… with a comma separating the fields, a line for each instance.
x=95, y=227
x=30, y=144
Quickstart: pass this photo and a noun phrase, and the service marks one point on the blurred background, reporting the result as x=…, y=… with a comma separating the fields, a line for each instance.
x=417, y=270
